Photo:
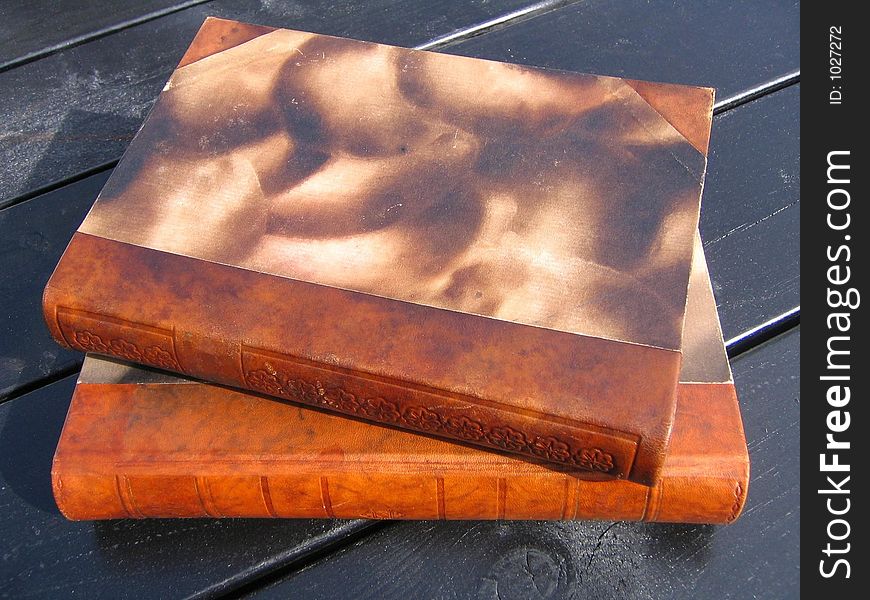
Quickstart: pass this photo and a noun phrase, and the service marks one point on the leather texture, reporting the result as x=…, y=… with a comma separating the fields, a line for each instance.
x=143, y=443
x=479, y=251
x=195, y=450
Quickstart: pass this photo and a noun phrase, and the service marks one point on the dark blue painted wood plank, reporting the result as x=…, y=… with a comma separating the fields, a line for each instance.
x=31, y=29
x=731, y=46
x=750, y=214
x=33, y=235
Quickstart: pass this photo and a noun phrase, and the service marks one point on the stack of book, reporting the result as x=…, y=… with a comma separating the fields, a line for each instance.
x=409, y=285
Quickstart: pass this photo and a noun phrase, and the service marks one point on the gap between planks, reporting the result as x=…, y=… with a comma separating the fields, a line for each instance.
x=97, y=34
x=511, y=18
x=438, y=42
x=759, y=334
x=279, y=567
x=36, y=384
x=754, y=93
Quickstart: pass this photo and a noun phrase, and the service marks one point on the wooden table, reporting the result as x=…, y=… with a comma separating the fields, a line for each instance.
x=77, y=78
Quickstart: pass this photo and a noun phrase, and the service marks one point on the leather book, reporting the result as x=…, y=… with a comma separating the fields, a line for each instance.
x=480, y=251
x=141, y=443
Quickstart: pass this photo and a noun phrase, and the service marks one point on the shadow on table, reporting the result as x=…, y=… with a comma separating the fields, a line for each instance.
x=28, y=439
x=81, y=141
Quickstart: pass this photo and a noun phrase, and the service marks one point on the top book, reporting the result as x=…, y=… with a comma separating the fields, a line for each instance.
x=488, y=252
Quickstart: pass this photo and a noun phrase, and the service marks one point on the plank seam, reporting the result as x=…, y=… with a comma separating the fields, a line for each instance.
x=56, y=185
x=295, y=560
x=97, y=34
x=511, y=18
x=759, y=91
x=22, y=390
x=762, y=333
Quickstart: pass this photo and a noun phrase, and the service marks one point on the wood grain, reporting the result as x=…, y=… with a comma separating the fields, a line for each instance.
x=30, y=30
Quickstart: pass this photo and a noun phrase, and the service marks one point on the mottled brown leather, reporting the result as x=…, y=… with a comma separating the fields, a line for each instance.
x=439, y=180
x=216, y=35
x=482, y=251
x=537, y=391
x=141, y=443
x=196, y=450
x=679, y=106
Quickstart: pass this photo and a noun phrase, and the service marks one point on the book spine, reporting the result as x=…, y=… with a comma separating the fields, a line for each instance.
x=458, y=381
x=116, y=494
x=607, y=454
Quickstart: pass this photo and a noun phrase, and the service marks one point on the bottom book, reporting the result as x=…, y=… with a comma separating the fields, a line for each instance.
x=141, y=443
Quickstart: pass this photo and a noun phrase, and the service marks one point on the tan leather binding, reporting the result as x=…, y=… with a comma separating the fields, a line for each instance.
x=485, y=252
x=145, y=444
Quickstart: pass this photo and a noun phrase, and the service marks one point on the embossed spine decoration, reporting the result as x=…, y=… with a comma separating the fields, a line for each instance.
x=87, y=341
x=297, y=381
x=146, y=344
x=272, y=382
x=135, y=342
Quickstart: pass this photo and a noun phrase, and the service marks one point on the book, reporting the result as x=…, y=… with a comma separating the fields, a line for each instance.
x=142, y=443
x=480, y=251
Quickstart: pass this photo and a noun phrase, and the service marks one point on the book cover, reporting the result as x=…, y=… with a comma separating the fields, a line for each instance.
x=141, y=443
x=481, y=251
